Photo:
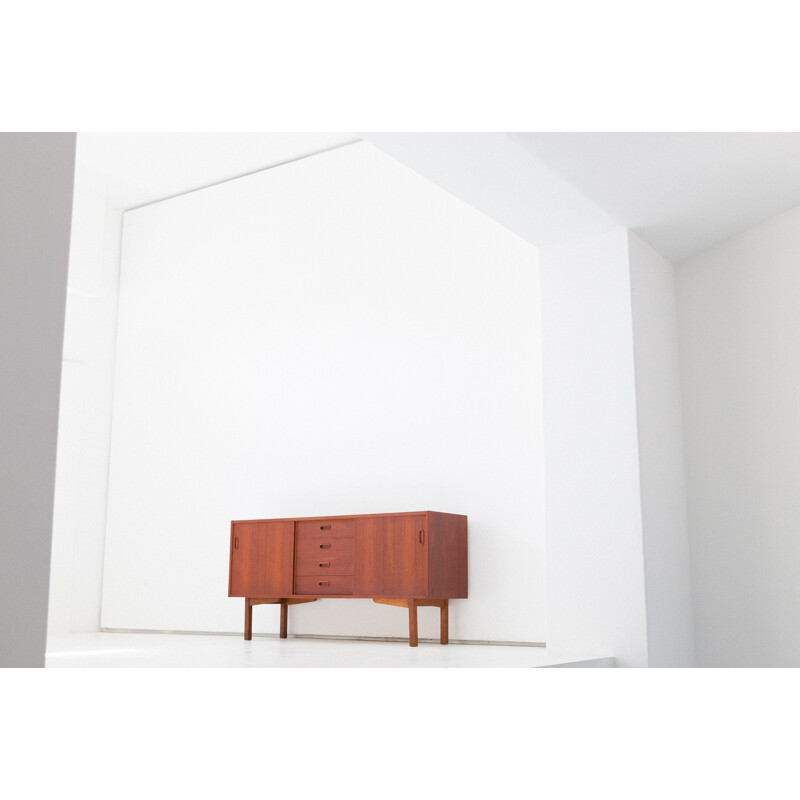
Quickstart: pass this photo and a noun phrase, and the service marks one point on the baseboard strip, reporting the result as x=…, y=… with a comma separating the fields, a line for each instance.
x=481, y=642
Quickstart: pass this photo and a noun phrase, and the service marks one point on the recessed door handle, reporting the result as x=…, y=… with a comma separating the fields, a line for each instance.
x=324, y=527
x=324, y=563
x=324, y=583
x=235, y=542
x=422, y=537
x=324, y=547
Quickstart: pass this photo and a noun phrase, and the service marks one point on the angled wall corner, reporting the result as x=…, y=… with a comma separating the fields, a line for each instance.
x=618, y=568
x=659, y=413
x=595, y=563
x=739, y=334
x=618, y=571
x=499, y=177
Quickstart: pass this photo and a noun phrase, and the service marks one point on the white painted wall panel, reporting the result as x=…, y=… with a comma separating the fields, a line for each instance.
x=595, y=560
x=333, y=336
x=670, y=628
x=740, y=337
x=84, y=430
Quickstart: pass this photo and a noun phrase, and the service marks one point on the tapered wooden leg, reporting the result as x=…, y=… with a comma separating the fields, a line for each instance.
x=444, y=623
x=284, y=618
x=248, y=619
x=412, y=623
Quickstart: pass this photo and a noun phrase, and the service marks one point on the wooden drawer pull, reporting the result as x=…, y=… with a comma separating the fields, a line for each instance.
x=324, y=563
x=324, y=583
x=324, y=547
x=324, y=527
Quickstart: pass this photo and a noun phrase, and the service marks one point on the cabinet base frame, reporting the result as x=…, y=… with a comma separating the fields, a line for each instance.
x=411, y=604
x=285, y=602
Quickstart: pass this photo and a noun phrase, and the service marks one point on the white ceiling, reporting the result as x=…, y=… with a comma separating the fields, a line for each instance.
x=681, y=192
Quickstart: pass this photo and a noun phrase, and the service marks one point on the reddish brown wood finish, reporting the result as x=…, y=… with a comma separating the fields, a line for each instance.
x=324, y=565
x=249, y=602
x=248, y=619
x=262, y=559
x=390, y=558
x=442, y=605
x=413, y=639
x=324, y=546
x=331, y=555
x=324, y=584
x=448, y=555
x=325, y=528
x=407, y=559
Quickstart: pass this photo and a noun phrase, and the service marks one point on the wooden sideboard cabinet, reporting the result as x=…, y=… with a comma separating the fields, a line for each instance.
x=410, y=559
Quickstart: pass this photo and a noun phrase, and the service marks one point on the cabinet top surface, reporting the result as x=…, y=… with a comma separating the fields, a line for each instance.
x=351, y=516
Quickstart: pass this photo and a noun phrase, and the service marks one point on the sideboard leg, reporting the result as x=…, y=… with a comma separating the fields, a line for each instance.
x=248, y=619
x=444, y=623
x=412, y=623
x=284, y=618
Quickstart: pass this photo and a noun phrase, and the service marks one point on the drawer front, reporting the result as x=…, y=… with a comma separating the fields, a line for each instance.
x=323, y=584
x=338, y=547
x=333, y=528
x=324, y=564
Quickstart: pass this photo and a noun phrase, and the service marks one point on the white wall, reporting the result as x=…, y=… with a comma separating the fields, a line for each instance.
x=333, y=336
x=595, y=560
x=740, y=335
x=495, y=173
x=114, y=172
x=670, y=629
x=88, y=381
x=85, y=406
x=35, y=209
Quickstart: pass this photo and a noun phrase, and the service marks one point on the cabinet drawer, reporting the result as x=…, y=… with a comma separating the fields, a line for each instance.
x=324, y=564
x=323, y=584
x=338, y=547
x=333, y=528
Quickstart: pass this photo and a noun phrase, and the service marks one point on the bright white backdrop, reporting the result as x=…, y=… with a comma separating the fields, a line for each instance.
x=332, y=336
x=740, y=331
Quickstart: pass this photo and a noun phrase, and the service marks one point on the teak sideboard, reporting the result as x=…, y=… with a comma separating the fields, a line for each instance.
x=410, y=559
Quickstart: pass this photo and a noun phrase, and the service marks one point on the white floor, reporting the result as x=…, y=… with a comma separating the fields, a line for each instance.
x=107, y=649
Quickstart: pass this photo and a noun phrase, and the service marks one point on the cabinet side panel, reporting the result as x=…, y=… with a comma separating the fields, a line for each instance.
x=262, y=559
x=447, y=555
